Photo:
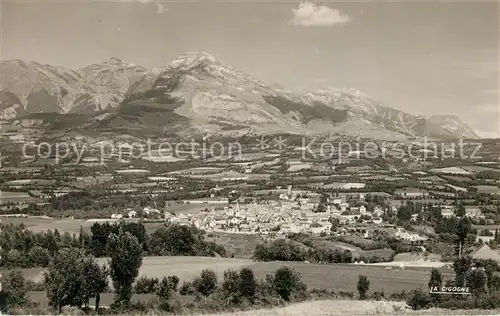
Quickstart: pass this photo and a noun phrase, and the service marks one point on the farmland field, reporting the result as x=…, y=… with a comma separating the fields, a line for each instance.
x=340, y=277
x=356, y=251
x=186, y=268
x=126, y=171
x=407, y=256
x=37, y=224
x=241, y=245
x=489, y=189
x=15, y=197
x=198, y=170
x=344, y=277
x=186, y=208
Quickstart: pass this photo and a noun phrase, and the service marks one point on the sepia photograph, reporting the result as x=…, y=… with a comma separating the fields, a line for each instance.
x=250, y=157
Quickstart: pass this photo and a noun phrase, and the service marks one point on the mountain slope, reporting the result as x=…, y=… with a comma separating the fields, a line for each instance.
x=197, y=93
x=104, y=85
x=33, y=88
x=213, y=95
x=453, y=125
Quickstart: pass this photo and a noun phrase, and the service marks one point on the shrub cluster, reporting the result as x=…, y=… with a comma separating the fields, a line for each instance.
x=21, y=248
x=364, y=244
x=282, y=250
x=480, y=277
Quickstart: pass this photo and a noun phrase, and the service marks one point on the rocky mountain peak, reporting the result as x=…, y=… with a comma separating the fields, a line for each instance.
x=201, y=91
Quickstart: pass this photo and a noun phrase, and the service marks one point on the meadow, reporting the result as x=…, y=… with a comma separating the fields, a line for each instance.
x=356, y=251
x=338, y=277
x=241, y=245
x=488, y=189
x=15, y=197
x=39, y=224
x=186, y=208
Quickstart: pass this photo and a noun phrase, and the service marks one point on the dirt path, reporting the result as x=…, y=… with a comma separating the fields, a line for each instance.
x=348, y=307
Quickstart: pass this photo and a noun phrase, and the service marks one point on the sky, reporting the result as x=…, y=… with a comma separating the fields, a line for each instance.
x=424, y=57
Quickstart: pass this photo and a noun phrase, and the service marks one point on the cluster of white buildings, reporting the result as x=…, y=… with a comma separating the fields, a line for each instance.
x=281, y=217
x=412, y=237
x=289, y=214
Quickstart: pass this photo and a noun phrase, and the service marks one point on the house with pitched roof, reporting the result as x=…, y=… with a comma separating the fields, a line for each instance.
x=486, y=253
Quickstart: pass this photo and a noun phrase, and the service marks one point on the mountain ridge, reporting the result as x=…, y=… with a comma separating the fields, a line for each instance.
x=197, y=92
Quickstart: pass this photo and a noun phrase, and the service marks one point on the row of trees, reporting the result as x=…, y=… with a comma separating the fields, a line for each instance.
x=23, y=248
x=74, y=278
x=169, y=240
x=479, y=276
x=282, y=250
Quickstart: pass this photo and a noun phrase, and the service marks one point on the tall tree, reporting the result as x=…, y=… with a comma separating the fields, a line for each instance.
x=173, y=240
x=64, y=279
x=436, y=279
x=321, y=208
x=247, y=283
x=462, y=229
x=126, y=259
x=95, y=281
x=460, y=212
x=477, y=281
x=363, y=286
x=461, y=266
x=287, y=281
x=14, y=285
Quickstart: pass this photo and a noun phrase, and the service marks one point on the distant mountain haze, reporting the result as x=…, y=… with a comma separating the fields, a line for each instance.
x=198, y=93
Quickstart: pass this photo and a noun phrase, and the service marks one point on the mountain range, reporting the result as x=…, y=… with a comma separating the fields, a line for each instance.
x=198, y=94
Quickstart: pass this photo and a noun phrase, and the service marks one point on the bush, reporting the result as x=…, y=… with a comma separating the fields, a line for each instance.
x=39, y=256
x=247, y=283
x=15, y=286
x=286, y=282
x=179, y=240
x=490, y=301
x=282, y=250
x=173, y=282
x=33, y=286
x=348, y=295
x=364, y=244
x=164, y=289
x=15, y=258
x=456, y=303
x=418, y=300
x=477, y=281
x=378, y=296
x=401, y=296
x=206, y=283
x=145, y=285
x=265, y=294
x=221, y=250
x=187, y=288
x=363, y=286
x=495, y=283
x=230, y=286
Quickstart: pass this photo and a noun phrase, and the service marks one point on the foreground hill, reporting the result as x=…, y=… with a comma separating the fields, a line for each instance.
x=337, y=277
x=350, y=307
x=196, y=93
